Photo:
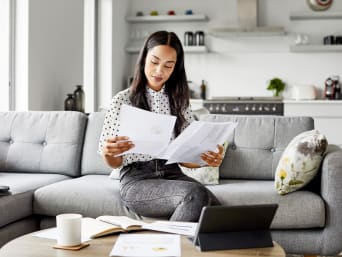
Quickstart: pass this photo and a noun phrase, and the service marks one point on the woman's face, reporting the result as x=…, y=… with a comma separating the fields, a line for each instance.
x=159, y=65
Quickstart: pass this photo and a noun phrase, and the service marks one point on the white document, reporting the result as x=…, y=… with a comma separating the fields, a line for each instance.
x=52, y=233
x=199, y=137
x=175, y=227
x=142, y=245
x=150, y=132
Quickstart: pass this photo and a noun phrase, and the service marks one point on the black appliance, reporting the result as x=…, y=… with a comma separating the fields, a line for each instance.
x=245, y=105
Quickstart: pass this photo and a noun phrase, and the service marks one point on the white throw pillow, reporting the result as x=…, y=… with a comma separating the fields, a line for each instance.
x=205, y=175
x=300, y=161
x=115, y=174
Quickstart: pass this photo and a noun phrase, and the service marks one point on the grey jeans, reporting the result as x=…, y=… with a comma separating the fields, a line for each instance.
x=153, y=189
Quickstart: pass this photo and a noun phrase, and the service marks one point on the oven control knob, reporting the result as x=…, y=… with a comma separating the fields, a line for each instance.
x=260, y=108
x=211, y=108
x=247, y=108
x=236, y=109
x=267, y=108
x=253, y=108
x=217, y=107
x=223, y=108
x=274, y=108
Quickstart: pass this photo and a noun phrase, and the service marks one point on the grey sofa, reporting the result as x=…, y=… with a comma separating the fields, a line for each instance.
x=49, y=160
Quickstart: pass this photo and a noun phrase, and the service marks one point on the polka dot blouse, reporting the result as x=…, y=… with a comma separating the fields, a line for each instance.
x=159, y=103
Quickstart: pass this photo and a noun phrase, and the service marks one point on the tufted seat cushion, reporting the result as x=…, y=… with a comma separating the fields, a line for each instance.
x=45, y=142
x=257, y=143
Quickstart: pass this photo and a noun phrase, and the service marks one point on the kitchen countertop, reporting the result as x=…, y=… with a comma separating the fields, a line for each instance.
x=318, y=101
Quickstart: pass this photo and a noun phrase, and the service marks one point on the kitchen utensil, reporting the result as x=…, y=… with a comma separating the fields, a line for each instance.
x=188, y=38
x=304, y=92
x=199, y=38
x=319, y=5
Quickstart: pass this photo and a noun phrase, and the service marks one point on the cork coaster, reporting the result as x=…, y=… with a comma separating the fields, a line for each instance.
x=73, y=248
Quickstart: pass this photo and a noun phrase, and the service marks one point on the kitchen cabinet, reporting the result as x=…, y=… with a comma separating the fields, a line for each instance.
x=312, y=16
x=327, y=115
x=134, y=46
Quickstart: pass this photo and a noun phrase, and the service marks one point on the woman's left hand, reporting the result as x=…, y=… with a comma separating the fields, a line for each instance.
x=213, y=159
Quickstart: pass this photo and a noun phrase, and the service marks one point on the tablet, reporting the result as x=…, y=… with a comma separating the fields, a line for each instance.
x=235, y=227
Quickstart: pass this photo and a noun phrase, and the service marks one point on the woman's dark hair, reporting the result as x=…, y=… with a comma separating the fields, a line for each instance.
x=176, y=87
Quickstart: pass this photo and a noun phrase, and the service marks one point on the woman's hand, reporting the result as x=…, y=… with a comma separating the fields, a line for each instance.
x=213, y=159
x=117, y=145
x=114, y=146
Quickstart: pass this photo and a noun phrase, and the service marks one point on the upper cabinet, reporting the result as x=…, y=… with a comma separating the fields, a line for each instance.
x=141, y=24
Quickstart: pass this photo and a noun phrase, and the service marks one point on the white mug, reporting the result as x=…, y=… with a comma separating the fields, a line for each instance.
x=69, y=229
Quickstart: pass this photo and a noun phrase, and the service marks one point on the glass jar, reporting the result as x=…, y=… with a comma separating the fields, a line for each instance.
x=69, y=103
x=79, y=99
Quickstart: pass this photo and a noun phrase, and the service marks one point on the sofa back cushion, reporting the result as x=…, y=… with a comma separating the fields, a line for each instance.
x=41, y=142
x=92, y=162
x=257, y=143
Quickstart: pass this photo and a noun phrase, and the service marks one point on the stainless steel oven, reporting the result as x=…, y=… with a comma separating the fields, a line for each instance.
x=245, y=105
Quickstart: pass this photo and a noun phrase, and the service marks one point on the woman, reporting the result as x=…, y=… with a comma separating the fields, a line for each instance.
x=148, y=186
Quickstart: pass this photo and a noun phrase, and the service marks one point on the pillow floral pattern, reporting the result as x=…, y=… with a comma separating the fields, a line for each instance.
x=205, y=175
x=300, y=161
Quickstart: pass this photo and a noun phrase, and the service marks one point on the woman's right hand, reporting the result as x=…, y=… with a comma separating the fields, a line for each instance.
x=116, y=145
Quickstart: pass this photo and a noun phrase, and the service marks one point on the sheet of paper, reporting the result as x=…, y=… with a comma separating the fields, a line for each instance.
x=197, y=138
x=150, y=132
x=147, y=245
x=51, y=233
x=175, y=227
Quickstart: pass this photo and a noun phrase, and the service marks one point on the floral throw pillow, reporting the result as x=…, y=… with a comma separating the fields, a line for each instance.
x=300, y=161
x=205, y=175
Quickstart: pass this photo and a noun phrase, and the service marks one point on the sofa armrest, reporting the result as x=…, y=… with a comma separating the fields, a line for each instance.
x=331, y=192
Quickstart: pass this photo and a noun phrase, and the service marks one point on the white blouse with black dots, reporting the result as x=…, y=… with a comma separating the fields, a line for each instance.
x=158, y=102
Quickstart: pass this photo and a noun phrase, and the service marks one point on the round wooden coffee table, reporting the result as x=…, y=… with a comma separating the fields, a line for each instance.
x=31, y=246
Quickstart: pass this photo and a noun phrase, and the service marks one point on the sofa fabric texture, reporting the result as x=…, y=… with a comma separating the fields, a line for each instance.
x=256, y=145
x=92, y=162
x=45, y=142
x=18, y=204
x=91, y=195
x=50, y=161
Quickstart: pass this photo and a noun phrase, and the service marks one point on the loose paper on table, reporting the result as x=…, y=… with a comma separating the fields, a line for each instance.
x=151, y=134
x=147, y=245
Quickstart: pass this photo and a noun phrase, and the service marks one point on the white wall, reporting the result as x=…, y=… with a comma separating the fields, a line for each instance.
x=4, y=54
x=242, y=66
x=55, y=52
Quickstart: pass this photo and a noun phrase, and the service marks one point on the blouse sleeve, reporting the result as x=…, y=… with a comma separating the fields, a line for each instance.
x=188, y=117
x=111, y=122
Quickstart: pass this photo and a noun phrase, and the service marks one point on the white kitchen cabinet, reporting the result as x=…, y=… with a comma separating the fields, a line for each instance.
x=327, y=115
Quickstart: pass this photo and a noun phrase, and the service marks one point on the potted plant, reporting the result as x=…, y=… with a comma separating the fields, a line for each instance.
x=277, y=85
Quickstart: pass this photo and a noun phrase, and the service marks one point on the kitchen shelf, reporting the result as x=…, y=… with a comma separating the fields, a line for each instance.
x=187, y=49
x=167, y=18
x=247, y=32
x=315, y=48
x=315, y=15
